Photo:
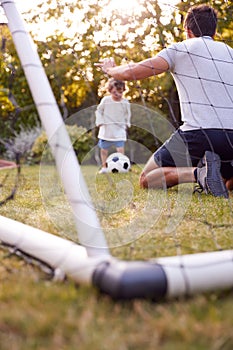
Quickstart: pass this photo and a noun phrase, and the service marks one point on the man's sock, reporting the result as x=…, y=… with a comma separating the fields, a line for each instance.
x=195, y=174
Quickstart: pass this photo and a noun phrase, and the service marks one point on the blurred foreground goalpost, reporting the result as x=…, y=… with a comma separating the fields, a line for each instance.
x=90, y=262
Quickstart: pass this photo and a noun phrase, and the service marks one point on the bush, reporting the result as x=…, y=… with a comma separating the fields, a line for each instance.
x=21, y=144
x=81, y=140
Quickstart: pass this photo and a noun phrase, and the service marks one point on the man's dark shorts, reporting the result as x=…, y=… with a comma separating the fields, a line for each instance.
x=186, y=148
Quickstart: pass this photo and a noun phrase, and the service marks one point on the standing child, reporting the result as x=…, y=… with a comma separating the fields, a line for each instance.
x=112, y=117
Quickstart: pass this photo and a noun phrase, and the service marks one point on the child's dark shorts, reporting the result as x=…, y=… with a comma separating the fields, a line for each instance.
x=107, y=144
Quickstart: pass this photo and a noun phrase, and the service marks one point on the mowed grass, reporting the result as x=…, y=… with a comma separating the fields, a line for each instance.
x=39, y=313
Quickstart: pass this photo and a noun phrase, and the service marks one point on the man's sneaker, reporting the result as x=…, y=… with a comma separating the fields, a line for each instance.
x=209, y=177
x=103, y=171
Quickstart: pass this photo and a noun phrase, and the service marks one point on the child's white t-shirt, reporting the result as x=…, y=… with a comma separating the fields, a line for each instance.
x=113, y=117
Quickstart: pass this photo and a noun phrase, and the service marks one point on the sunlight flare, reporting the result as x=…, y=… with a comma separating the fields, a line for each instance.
x=123, y=6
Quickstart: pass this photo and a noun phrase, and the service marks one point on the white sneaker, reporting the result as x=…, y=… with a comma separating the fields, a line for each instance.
x=209, y=177
x=103, y=171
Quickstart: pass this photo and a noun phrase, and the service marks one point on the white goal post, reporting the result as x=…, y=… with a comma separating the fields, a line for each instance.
x=89, y=231
x=162, y=278
x=91, y=261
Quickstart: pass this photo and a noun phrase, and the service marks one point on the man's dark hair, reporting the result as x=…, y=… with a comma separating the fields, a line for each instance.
x=201, y=20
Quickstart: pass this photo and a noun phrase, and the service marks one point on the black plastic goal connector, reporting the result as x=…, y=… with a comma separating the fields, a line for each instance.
x=125, y=280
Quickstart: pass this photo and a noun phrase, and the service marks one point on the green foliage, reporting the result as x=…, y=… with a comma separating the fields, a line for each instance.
x=17, y=107
x=69, y=55
x=81, y=140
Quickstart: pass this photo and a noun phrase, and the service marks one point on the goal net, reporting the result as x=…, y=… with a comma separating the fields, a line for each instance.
x=192, y=243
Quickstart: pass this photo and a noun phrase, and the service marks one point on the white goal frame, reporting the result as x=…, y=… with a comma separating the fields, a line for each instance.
x=91, y=262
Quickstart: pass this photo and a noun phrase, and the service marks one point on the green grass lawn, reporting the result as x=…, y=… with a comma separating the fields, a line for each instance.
x=39, y=313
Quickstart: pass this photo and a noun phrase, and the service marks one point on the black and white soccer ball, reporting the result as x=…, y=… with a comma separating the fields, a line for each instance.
x=118, y=163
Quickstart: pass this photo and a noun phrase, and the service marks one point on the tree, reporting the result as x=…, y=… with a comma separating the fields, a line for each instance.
x=16, y=105
x=84, y=34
